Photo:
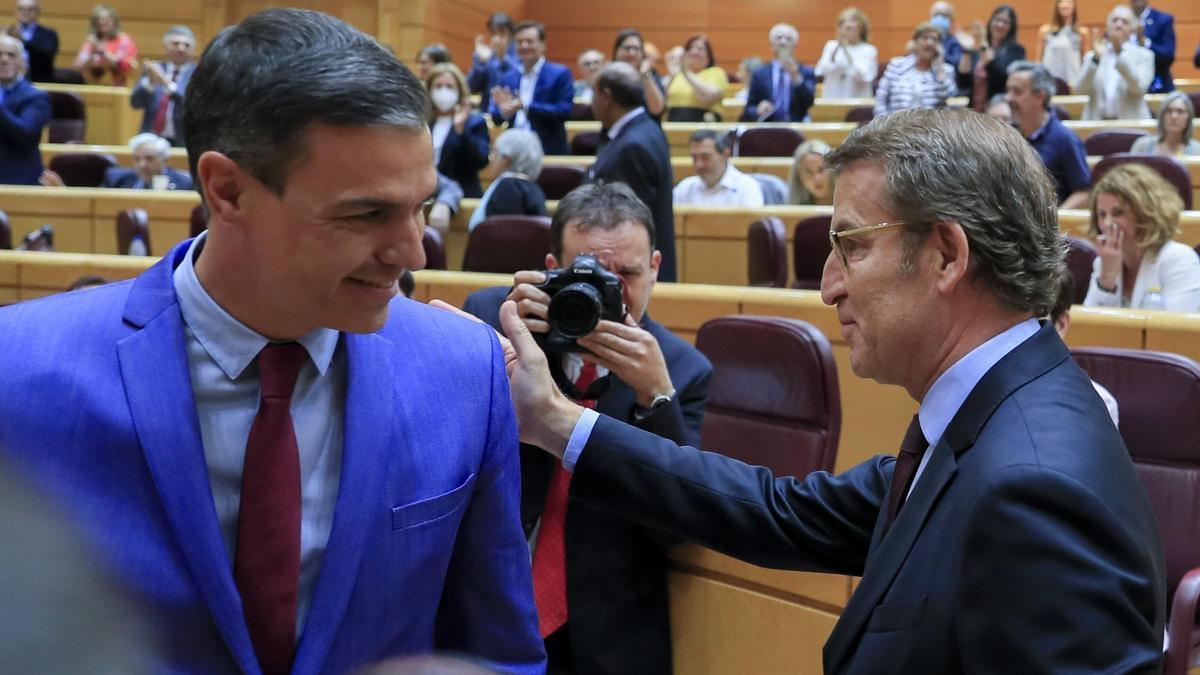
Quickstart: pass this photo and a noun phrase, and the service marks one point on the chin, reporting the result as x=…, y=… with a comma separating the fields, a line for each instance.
x=360, y=323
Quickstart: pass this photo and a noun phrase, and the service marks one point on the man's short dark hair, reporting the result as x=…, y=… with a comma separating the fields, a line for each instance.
x=598, y=205
x=536, y=25
x=623, y=83
x=722, y=140
x=498, y=21
x=262, y=83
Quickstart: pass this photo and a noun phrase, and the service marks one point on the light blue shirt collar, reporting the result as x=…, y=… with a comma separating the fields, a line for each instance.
x=230, y=343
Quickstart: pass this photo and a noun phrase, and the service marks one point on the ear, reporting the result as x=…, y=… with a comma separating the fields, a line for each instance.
x=655, y=263
x=222, y=182
x=551, y=261
x=952, y=254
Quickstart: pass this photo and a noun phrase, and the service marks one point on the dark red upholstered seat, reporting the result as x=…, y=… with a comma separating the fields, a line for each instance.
x=1111, y=141
x=585, y=143
x=768, y=142
x=198, y=222
x=68, y=118
x=1169, y=168
x=5, y=232
x=861, y=114
x=810, y=248
x=557, y=181
x=507, y=244
x=435, y=249
x=1080, y=255
x=132, y=224
x=82, y=169
x=766, y=248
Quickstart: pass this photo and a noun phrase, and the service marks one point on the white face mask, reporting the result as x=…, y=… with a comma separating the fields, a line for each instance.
x=444, y=99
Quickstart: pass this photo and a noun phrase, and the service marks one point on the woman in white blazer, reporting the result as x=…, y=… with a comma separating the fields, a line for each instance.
x=1116, y=73
x=849, y=63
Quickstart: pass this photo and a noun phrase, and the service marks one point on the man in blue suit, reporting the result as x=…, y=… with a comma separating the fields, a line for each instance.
x=1157, y=35
x=23, y=112
x=1011, y=533
x=41, y=42
x=260, y=439
x=782, y=90
x=539, y=96
x=150, y=154
x=493, y=58
x=162, y=89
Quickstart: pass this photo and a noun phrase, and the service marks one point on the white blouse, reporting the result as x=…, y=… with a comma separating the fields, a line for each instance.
x=851, y=73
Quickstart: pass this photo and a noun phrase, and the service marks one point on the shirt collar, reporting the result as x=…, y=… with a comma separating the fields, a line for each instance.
x=729, y=178
x=625, y=119
x=1046, y=122
x=952, y=387
x=12, y=85
x=230, y=343
x=537, y=67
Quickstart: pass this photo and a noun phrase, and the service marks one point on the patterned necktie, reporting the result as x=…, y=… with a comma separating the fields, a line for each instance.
x=782, y=95
x=164, y=105
x=267, y=563
x=549, y=556
x=907, y=461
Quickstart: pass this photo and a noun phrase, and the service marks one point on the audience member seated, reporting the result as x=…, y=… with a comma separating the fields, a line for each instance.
x=1157, y=35
x=429, y=56
x=998, y=107
x=849, y=62
x=149, y=172
x=782, y=90
x=1060, y=316
x=493, y=58
x=1116, y=73
x=538, y=95
x=631, y=48
x=590, y=62
x=1174, y=137
x=695, y=83
x=41, y=42
x=746, y=68
x=1135, y=214
x=920, y=79
x=717, y=181
x=445, y=204
x=1030, y=87
x=86, y=281
x=107, y=55
x=516, y=161
x=809, y=180
x=162, y=89
x=460, y=137
x=986, y=72
x=1061, y=44
x=941, y=15
x=24, y=111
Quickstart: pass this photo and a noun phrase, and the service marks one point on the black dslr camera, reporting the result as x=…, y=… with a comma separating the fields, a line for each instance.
x=581, y=294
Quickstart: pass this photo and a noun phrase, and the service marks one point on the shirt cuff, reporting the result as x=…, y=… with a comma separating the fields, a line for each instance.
x=579, y=438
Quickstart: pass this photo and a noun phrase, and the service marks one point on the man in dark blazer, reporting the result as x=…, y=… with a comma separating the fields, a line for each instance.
x=616, y=577
x=634, y=151
x=782, y=90
x=1157, y=35
x=539, y=95
x=1012, y=533
x=162, y=89
x=23, y=112
x=40, y=42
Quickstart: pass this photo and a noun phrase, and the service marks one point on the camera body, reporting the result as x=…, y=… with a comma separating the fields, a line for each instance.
x=581, y=295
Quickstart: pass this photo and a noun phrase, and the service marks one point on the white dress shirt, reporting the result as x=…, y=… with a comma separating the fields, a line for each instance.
x=734, y=189
x=529, y=80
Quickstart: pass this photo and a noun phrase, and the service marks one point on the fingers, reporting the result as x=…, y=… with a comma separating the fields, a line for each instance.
x=529, y=355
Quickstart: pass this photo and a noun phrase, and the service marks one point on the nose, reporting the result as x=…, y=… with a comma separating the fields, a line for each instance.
x=833, y=280
x=404, y=244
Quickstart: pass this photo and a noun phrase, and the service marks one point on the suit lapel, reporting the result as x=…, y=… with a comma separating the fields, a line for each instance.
x=369, y=432
x=154, y=369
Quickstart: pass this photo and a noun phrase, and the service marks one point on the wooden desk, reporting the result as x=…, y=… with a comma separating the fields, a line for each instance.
x=176, y=159
x=110, y=119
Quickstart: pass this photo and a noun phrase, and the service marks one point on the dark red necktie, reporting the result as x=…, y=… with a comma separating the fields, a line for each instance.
x=266, y=566
x=907, y=461
x=549, y=555
x=164, y=104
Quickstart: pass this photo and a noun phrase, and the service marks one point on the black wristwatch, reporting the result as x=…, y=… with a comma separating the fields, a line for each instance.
x=659, y=401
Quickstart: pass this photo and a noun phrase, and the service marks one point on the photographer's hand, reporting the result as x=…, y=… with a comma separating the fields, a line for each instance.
x=546, y=417
x=631, y=353
x=533, y=304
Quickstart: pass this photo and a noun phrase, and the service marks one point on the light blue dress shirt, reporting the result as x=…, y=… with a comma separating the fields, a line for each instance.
x=221, y=358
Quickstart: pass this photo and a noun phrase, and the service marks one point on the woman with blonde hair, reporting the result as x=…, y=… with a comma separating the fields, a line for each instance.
x=1174, y=136
x=1135, y=215
x=809, y=181
x=849, y=62
x=460, y=136
x=108, y=55
x=1061, y=44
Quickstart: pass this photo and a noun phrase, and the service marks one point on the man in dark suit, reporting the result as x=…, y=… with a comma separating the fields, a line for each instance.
x=1011, y=534
x=150, y=155
x=615, y=584
x=634, y=151
x=41, y=43
x=162, y=89
x=782, y=90
x=23, y=112
x=539, y=95
x=1158, y=35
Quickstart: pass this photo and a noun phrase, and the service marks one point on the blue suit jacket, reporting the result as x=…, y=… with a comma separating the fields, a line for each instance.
x=426, y=550
x=464, y=155
x=119, y=177
x=22, y=115
x=553, y=97
x=146, y=97
x=763, y=89
x=1159, y=29
x=1026, y=545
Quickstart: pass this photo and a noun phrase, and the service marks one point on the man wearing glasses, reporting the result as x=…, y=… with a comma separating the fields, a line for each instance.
x=1011, y=532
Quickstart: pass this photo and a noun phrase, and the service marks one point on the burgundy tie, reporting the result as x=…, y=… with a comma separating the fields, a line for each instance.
x=266, y=566
x=550, y=555
x=164, y=104
x=907, y=461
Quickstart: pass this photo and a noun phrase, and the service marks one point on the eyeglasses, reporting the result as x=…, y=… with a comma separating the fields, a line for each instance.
x=835, y=238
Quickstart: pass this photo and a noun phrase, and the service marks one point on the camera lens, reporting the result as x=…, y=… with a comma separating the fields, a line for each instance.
x=575, y=310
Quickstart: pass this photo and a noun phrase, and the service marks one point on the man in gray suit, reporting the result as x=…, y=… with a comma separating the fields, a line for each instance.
x=163, y=86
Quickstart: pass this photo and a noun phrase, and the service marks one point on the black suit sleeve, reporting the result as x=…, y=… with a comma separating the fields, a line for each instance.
x=43, y=46
x=635, y=167
x=753, y=97
x=507, y=199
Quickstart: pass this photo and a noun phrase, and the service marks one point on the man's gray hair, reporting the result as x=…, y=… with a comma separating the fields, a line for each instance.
x=1041, y=78
x=179, y=30
x=20, y=47
x=157, y=143
x=962, y=167
x=524, y=149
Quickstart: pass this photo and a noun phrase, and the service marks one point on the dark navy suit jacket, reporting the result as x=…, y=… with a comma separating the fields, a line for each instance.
x=465, y=154
x=548, y=112
x=22, y=115
x=1026, y=545
x=1159, y=29
x=118, y=177
x=42, y=48
x=763, y=89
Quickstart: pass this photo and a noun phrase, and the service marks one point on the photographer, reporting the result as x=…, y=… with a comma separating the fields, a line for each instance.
x=615, y=571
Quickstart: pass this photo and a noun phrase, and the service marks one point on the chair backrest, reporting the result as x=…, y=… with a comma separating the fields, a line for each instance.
x=5, y=232
x=82, y=169
x=1111, y=141
x=773, y=400
x=557, y=181
x=1195, y=96
x=766, y=248
x=810, y=248
x=68, y=118
x=585, y=143
x=1080, y=256
x=1061, y=88
x=862, y=114
x=1167, y=167
x=768, y=142
x=1158, y=395
x=133, y=224
x=435, y=249
x=507, y=244
x=582, y=112
x=198, y=222
x=774, y=189
x=68, y=76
